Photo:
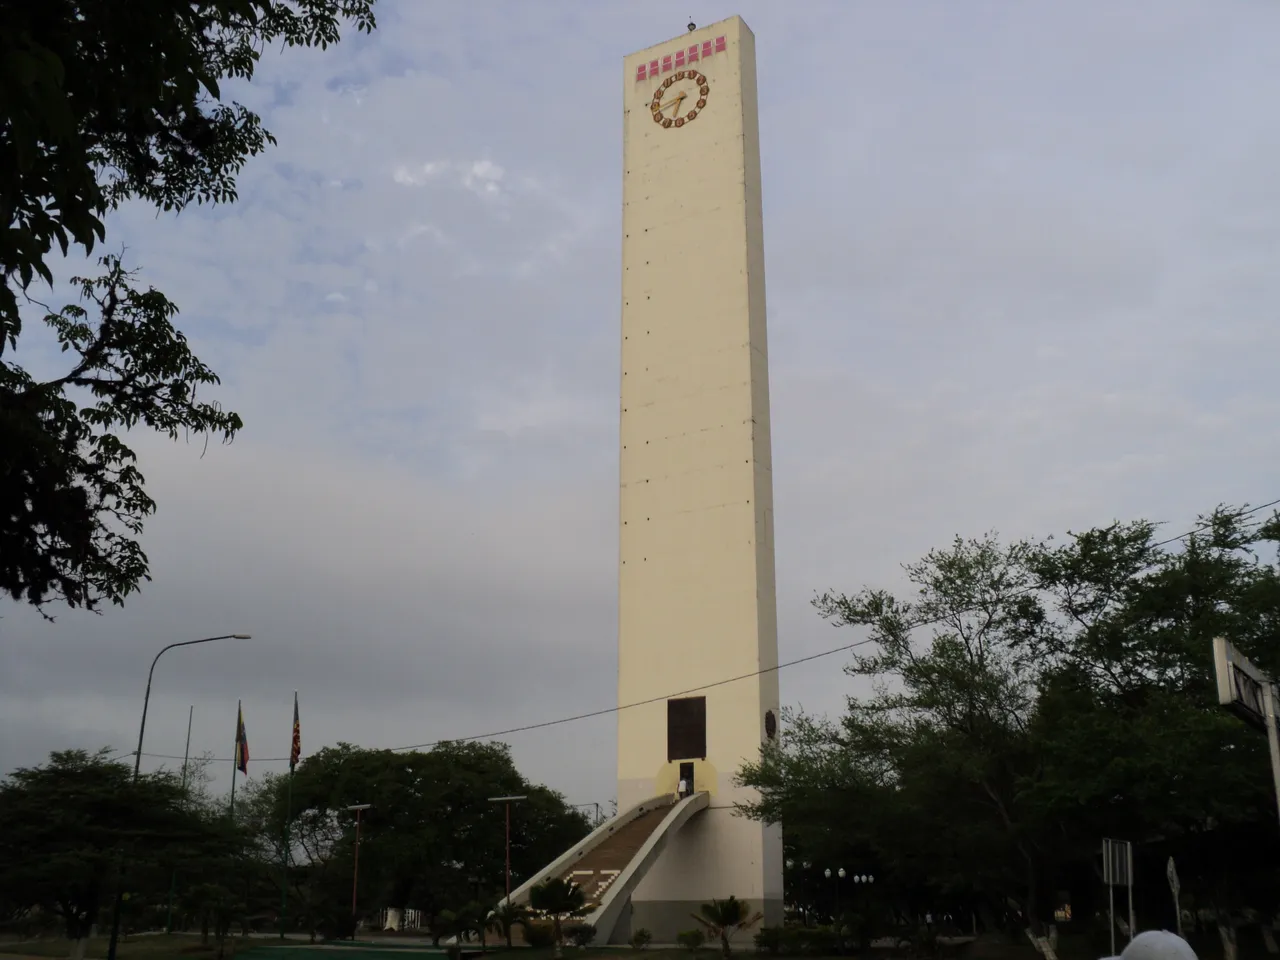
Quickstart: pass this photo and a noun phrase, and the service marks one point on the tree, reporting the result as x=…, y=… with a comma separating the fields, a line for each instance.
x=560, y=900
x=505, y=917
x=430, y=841
x=102, y=102
x=1064, y=693
x=64, y=825
x=724, y=918
x=950, y=738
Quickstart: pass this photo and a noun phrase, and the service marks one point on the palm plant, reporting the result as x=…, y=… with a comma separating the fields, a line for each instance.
x=505, y=916
x=560, y=900
x=724, y=918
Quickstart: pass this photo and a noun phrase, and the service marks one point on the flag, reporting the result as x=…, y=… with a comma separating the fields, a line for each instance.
x=242, y=744
x=296, y=750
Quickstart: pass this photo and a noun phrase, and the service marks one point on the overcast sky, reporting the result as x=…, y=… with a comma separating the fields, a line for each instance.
x=1021, y=276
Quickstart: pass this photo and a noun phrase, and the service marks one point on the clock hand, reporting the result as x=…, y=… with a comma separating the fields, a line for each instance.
x=676, y=100
x=674, y=103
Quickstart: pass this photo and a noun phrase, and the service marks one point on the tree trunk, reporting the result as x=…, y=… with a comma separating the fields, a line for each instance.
x=724, y=944
x=204, y=930
x=77, y=952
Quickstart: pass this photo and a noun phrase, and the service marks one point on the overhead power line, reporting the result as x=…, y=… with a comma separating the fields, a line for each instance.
x=606, y=711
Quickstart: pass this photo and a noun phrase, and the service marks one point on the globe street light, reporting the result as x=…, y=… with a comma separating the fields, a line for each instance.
x=137, y=764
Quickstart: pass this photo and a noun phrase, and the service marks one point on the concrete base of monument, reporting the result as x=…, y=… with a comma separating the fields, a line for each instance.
x=667, y=919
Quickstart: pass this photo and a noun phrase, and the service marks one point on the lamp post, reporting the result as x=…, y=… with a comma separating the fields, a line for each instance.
x=355, y=871
x=839, y=876
x=508, y=801
x=137, y=765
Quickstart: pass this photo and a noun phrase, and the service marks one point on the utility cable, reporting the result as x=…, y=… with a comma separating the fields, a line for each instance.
x=719, y=683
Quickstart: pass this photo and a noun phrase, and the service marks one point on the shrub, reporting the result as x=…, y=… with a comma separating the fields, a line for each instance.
x=641, y=938
x=691, y=939
x=580, y=934
x=769, y=940
x=539, y=935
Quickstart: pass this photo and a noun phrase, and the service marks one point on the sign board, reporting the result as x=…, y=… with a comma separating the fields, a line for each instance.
x=1117, y=863
x=1171, y=872
x=1250, y=694
x=1240, y=684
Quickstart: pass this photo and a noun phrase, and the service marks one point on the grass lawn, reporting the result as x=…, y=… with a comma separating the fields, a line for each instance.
x=158, y=947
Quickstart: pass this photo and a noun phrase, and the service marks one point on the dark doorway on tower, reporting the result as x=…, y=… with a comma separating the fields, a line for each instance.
x=687, y=729
x=686, y=779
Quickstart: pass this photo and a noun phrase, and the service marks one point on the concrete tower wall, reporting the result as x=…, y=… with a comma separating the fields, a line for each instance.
x=696, y=577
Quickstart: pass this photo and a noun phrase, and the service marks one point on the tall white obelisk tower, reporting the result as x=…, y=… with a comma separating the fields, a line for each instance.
x=696, y=578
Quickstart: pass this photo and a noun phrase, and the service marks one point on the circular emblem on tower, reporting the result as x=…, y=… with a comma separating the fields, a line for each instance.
x=770, y=724
x=680, y=99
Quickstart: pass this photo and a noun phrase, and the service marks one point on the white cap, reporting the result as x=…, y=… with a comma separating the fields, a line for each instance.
x=1157, y=945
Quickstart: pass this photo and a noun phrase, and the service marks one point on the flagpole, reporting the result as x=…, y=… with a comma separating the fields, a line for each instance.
x=173, y=874
x=235, y=758
x=288, y=813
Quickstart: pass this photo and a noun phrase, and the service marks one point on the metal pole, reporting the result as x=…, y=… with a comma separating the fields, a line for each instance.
x=1268, y=694
x=1111, y=905
x=173, y=875
x=235, y=758
x=284, y=855
x=137, y=763
x=355, y=876
x=508, y=853
x=1133, y=925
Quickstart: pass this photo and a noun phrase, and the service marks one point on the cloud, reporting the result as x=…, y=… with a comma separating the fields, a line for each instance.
x=1020, y=276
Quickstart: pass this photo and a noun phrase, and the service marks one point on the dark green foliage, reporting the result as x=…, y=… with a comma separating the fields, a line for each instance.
x=72, y=499
x=430, y=838
x=724, y=918
x=64, y=827
x=507, y=915
x=691, y=939
x=580, y=934
x=560, y=900
x=1034, y=698
x=768, y=940
x=539, y=936
x=102, y=101
x=641, y=938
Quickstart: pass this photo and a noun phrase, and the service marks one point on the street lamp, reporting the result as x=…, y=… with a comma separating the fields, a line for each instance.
x=508, y=801
x=840, y=875
x=137, y=765
x=355, y=872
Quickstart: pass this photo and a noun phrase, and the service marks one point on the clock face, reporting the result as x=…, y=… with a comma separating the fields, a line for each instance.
x=680, y=99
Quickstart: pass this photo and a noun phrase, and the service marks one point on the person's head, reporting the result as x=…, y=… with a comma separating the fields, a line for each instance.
x=1157, y=945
